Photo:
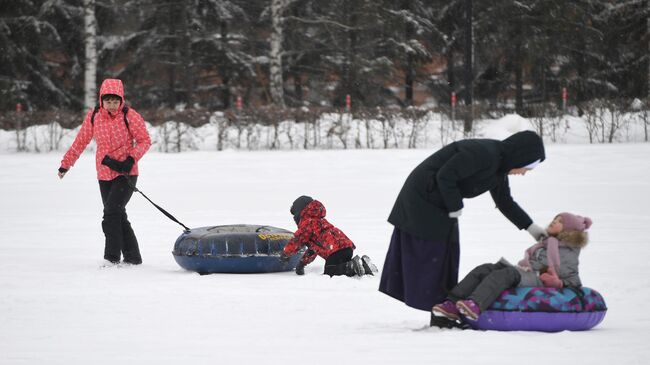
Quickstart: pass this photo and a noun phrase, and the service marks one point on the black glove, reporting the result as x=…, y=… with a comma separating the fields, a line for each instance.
x=114, y=165
x=300, y=269
x=62, y=172
x=284, y=258
x=127, y=164
x=119, y=166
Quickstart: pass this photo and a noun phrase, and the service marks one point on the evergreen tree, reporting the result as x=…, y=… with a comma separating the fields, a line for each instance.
x=624, y=49
x=355, y=51
x=182, y=52
x=446, y=34
x=405, y=40
x=40, y=62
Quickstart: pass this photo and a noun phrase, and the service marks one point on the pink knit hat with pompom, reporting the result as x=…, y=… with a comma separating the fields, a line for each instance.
x=573, y=222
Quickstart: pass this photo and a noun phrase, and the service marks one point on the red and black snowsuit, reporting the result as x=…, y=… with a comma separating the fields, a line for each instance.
x=117, y=140
x=320, y=236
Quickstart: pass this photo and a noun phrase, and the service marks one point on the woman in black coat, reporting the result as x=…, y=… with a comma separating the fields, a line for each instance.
x=422, y=260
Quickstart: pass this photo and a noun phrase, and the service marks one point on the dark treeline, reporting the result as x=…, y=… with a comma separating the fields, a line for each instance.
x=208, y=53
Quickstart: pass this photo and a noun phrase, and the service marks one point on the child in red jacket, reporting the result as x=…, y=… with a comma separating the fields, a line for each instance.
x=323, y=239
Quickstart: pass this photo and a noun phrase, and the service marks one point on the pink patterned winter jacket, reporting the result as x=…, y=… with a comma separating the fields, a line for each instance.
x=113, y=137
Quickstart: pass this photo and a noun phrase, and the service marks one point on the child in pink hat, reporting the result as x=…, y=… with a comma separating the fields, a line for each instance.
x=552, y=262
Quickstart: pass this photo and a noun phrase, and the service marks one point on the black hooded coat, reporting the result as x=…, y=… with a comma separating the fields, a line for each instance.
x=463, y=169
x=423, y=257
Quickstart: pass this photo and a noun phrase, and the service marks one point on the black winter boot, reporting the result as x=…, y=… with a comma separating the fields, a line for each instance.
x=444, y=322
x=368, y=266
x=348, y=268
x=357, y=266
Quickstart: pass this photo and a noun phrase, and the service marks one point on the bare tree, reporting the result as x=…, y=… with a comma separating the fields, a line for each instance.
x=54, y=135
x=340, y=129
x=593, y=119
x=221, y=122
x=416, y=118
x=449, y=128
x=21, y=134
x=275, y=68
x=288, y=130
x=604, y=119
x=370, y=140
x=90, y=66
x=618, y=118
x=645, y=118
x=388, y=128
x=547, y=121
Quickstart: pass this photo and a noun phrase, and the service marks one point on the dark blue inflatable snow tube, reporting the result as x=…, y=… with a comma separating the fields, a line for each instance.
x=543, y=309
x=238, y=248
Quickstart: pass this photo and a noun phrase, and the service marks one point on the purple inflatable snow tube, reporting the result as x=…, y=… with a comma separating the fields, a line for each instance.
x=543, y=309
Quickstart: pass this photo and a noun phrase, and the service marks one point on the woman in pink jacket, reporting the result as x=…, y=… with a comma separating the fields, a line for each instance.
x=122, y=139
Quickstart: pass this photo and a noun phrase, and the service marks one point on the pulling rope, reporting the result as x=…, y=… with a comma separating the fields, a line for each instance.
x=124, y=174
x=186, y=229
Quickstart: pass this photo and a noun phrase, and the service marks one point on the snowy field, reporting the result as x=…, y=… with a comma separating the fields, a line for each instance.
x=58, y=307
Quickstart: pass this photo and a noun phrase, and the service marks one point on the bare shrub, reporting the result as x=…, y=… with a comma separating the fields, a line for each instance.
x=604, y=119
x=547, y=120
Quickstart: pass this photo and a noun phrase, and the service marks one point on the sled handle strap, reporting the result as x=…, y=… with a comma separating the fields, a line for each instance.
x=157, y=206
x=162, y=210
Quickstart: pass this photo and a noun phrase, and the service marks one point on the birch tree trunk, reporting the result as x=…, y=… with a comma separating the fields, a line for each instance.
x=225, y=71
x=90, y=66
x=469, y=77
x=648, y=38
x=409, y=72
x=275, y=67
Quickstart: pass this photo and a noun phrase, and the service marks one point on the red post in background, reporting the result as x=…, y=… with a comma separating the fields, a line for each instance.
x=348, y=102
x=454, y=99
x=238, y=103
x=565, y=97
x=19, y=108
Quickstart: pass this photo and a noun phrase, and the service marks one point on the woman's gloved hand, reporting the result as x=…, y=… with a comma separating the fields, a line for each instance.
x=455, y=214
x=119, y=166
x=537, y=232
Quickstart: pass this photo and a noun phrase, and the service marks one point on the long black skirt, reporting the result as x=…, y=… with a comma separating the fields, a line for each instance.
x=420, y=273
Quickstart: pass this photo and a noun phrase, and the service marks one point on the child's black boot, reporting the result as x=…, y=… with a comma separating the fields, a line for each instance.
x=357, y=266
x=368, y=267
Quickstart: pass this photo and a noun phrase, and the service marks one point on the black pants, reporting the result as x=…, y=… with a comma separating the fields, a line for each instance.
x=120, y=238
x=337, y=263
x=484, y=284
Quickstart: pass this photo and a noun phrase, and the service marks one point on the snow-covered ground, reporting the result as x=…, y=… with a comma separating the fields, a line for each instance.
x=58, y=307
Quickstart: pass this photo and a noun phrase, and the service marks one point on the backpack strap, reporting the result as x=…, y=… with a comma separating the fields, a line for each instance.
x=125, y=110
x=92, y=118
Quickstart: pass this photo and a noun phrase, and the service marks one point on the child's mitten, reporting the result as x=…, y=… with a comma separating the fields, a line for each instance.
x=550, y=279
x=300, y=269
